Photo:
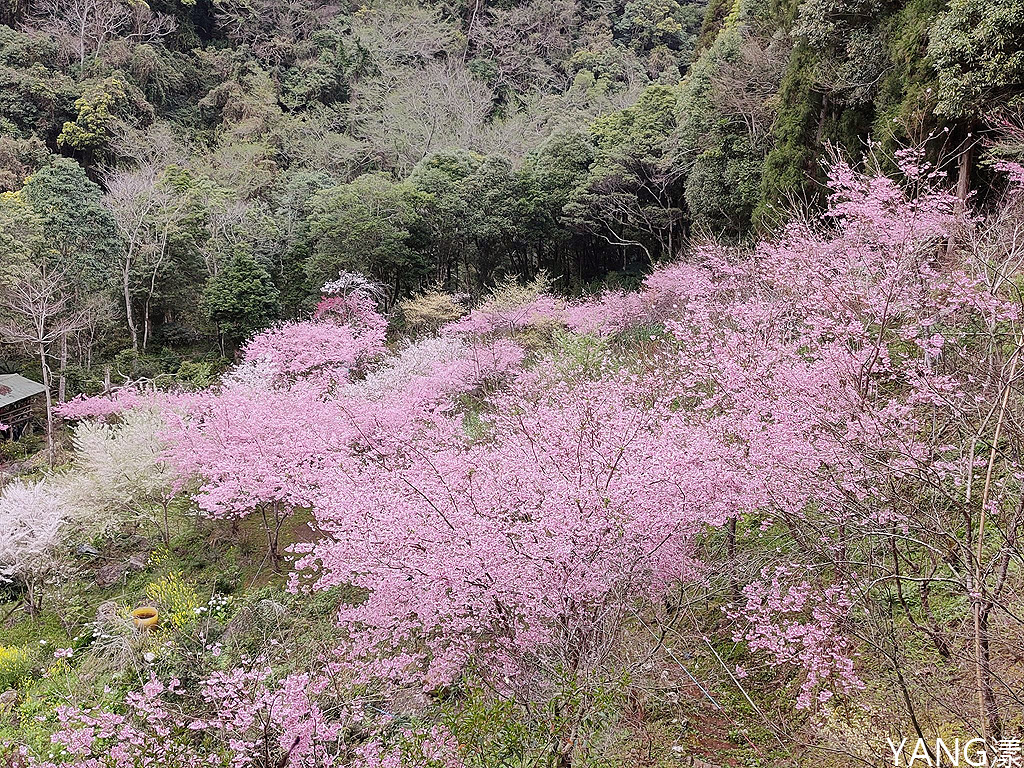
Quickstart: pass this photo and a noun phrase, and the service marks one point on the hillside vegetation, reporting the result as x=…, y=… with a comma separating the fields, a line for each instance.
x=537, y=385
x=195, y=170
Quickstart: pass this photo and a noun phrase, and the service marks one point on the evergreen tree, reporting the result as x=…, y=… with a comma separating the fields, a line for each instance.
x=240, y=300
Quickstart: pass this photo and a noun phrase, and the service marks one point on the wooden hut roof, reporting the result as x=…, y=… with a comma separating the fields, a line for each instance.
x=15, y=388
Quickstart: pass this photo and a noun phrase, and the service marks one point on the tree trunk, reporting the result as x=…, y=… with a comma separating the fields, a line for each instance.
x=167, y=525
x=273, y=531
x=991, y=721
x=734, y=586
x=62, y=381
x=50, y=454
x=145, y=325
x=963, y=177
x=33, y=610
x=126, y=286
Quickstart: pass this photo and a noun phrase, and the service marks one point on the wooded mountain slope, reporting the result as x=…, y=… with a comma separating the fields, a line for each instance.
x=195, y=170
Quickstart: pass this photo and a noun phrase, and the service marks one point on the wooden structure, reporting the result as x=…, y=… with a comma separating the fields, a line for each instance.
x=17, y=395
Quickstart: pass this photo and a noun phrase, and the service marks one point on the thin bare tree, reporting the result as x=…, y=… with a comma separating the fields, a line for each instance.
x=84, y=27
x=36, y=313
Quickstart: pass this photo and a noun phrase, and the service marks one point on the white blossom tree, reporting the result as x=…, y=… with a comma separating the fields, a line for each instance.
x=32, y=524
x=122, y=477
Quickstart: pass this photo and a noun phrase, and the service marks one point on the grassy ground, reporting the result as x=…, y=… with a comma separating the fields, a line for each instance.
x=211, y=575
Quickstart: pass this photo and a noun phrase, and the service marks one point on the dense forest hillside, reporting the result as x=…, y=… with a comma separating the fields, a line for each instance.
x=194, y=171
x=524, y=384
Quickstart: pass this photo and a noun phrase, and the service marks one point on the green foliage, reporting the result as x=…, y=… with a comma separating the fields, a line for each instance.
x=723, y=185
x=723, y=178
x=576, y=355
x=18, y=158
x=365, y=226
x=556, y=169
x=628, y=195
x=650, y=23
x=79, y=232
x=600, y=67
x=977, y=48
x=195, y=374
x=491, y=731
x=639, y=130
x=321, y=75
x=131, y=364
x=789, y=165
x=576, y=723
x=715, y=14
x=35, y=96
x=850, y=50
x=441, y=179
x=241, y=299
x=500, y=203
x=21, y=235
x=286, y=134
x=99, y=105
x=906, y=95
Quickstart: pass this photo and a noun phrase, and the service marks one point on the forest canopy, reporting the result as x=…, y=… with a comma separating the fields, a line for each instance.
x=179, y=158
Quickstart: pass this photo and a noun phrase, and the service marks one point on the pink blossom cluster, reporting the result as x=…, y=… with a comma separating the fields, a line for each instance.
x=805, y=626
x=103, y=407
x=1014, y=172
x=250, y=445
x=227, y=721
x=345, y=331
x=434, y=748
x=500, y=318
x=582, y=498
